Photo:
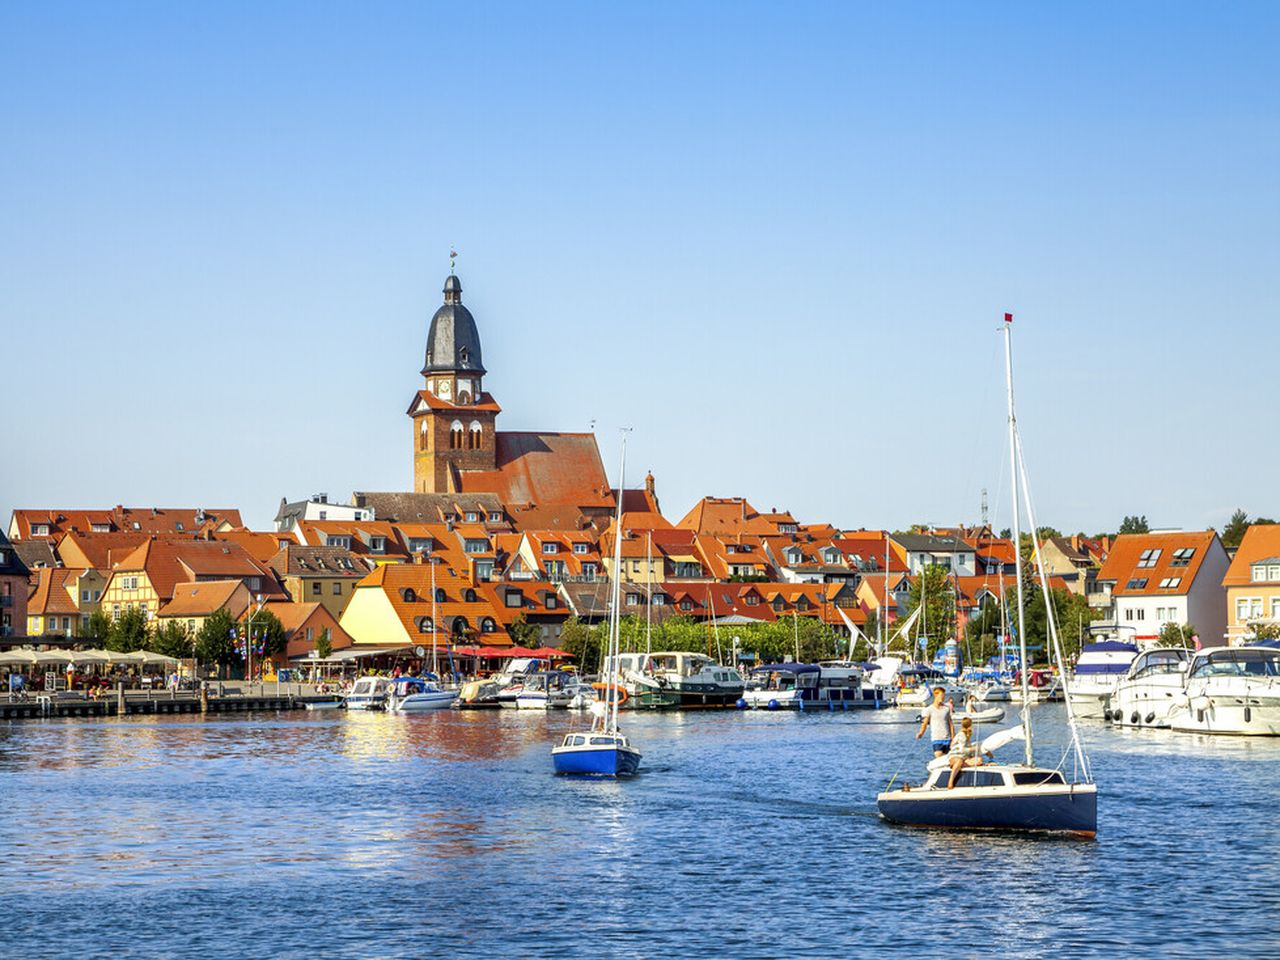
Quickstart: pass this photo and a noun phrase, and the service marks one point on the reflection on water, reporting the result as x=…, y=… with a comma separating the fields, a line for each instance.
x=356, y=835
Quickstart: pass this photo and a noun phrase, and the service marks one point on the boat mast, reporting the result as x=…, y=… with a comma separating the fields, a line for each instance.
x=434, y=659
x=615, y=620
x=884, y=626
x=648, y=586
x=1017, y=538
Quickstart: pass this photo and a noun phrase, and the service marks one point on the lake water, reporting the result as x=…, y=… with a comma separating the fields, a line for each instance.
x=747, y=835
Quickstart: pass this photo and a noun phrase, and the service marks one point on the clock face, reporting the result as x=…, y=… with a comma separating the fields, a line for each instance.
x=446, y=388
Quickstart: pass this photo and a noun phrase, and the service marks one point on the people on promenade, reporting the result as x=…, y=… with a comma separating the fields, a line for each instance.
x=938, y=719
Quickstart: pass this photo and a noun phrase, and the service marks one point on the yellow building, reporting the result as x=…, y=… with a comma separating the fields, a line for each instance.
x=1252, y=583
x=194, y=603
x=323, y=575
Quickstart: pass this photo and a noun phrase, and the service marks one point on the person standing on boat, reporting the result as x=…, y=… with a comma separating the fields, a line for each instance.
x=939, y=719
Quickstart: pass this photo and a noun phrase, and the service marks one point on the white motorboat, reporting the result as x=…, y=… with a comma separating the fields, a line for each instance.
x=367, y=693
x=1146, y=693
x=1231, y=690
x=1097, y=672
x=549, y=690
x=693, y=679
x=916, y=685
x=418, y=695
x=809, y=686
x=981, y=715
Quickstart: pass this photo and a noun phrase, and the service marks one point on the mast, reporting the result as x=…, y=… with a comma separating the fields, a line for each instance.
x=435, y=668
x=884, y=612
x=615, y=620
x=648, y=586
x=1017, y=538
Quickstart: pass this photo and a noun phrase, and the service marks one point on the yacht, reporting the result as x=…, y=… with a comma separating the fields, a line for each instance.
x=1145, y=694
x=916, y=683
x=367, y=693
x=1097, y=672
x=549, y=689
x=418, y=695
x=693, y=678
x=1231, y=690
x=809, y=686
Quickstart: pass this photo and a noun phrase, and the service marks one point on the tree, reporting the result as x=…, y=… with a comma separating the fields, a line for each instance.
x=1176, y=635
x=270, y=633
x=1238, y=525
x=1071, y=613
x=214, y=642
x=1265, y=631
x=871, y=629
x=981, y=631
x=582, y=642
x=173, y=639
x=1135, y=524
x=324, y=646
x=938, y=619
x=523, y=633
x=129, y=632
x=99, y=627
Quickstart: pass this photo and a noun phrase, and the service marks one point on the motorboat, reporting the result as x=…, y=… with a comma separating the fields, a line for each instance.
x=809, y=686
x=1043, y=686
x=511, y=679
x=695, y=679
x=916, y=685
x=418, y=695
x=643, y=691
x=1230, y=690
x=1145, y=694
x=1097, y=672
x=549, y=689
x=367, y=693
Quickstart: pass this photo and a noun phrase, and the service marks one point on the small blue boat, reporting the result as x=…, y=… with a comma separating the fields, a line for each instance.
x=596, y=755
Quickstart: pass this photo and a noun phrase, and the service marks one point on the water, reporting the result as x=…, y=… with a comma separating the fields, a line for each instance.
x=747, y=835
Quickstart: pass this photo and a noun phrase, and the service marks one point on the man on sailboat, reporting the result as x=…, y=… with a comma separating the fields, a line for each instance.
x=938, y=718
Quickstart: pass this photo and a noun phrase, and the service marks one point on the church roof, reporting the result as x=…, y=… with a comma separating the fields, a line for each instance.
x=543, y=469
x=453, y=342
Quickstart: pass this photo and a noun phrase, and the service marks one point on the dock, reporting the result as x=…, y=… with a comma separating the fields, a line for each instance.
x=211, y=697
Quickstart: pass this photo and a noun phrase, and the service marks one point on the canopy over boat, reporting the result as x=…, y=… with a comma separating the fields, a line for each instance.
x=788, y=668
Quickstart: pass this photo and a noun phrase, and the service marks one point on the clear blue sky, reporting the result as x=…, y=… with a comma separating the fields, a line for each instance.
x=776, y=241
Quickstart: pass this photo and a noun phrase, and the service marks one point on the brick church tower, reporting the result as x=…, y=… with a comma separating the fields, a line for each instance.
x=453, y=418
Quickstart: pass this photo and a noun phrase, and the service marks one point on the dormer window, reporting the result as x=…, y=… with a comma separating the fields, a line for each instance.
x=378, y=544
x=581, y=548
x=472, y=516
x=39, y=529
x=409, y=595
x=550, y=548
x=475, y=545
x=441, y=596
x=178, y=526
x=752, y=600
x=1137, y=583
x=469, y=596
x=495, y=516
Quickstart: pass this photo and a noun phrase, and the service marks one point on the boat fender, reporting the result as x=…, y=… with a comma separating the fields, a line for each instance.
x=773, y=704
x=1248, y=714
x=1150, y=717
x=1134, y=718
x=741, y=703
x=1199, y=716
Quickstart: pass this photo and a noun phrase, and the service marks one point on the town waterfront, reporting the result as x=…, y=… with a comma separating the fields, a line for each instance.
x=747, y=835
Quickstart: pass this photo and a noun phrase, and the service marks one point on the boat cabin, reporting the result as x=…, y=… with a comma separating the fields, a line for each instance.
x=994, y=775
x=1162, y=660
x=594, y=740
x=1255, y=662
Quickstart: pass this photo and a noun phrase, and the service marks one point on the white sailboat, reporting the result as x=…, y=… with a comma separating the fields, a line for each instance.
x=1003, y=796
x=603, y=751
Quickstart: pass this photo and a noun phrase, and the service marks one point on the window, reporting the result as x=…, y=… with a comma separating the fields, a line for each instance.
x=84, y=596
x=1035, y=779
x=484, y=570
x=1149, y=558
x=552, y=601
x=633, y=599
x=589, y=570
x=469, y=595
x=455, y=435
x=513, y=598
x=1182, y=557
x=471, y=516
x=778, y=604
x=686, y=605
x=255, y=584
x=317, y=588
x=487, y=625
x=1170, y=583
x=441, y=596
x=752, y=600
x=476, y=546
x=334, y=540
x=550, y=548
x=324, y=514
x=426, y=625
x=39, y=529
x=1140, y=614
x=581, y=548
x=474, y=436
x=337, y=589
x=1138, y=583
x=100, y=527
x=409, y=594
x=495, y=516
x=1275, y=608
x=1248, y=608
x=378, y=544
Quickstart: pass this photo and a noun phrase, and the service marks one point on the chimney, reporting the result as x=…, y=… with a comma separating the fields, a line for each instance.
x=1075, y=542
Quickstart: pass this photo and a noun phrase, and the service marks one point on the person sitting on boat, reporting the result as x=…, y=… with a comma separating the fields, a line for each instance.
x=938, y=719
x=965, y=753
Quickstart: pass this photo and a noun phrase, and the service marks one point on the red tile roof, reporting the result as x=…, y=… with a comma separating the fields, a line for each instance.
x=1122, y=566
x=170, y=562
x=121, y=518
x=544, y=469
x=1261, y=542
x=205, y=597
x=51, y=594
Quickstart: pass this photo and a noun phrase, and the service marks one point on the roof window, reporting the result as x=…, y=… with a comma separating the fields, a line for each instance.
x=1182, y=557
x=1137, y=583
x=1149, y=558
x=1170, y=583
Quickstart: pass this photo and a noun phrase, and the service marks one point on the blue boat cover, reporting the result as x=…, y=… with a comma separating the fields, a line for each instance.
x=1109, y=646
x=788, y=668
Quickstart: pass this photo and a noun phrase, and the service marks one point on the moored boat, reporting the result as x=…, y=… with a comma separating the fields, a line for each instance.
x=1144, y=696
x=1230, y=690
x=418, y=695
x=1097, y=673
x=367, y=693
x=809, y=686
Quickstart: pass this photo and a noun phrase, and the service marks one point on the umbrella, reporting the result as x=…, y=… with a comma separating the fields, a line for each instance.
x=24, y=657
x=136, y=657
x=53, y=656
x=156, y=659
x=89, y=656
x=549, y=652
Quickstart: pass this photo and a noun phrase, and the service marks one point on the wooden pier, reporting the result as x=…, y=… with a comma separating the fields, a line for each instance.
x=213, y=697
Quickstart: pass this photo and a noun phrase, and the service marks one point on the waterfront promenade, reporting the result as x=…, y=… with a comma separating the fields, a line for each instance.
x=231, y=696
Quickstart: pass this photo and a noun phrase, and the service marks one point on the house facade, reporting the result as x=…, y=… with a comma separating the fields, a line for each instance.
x=1252, y=583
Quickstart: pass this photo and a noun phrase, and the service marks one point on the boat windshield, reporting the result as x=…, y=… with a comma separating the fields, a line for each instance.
x=1159, y=661
x=1238, y=663
x=1036, y=777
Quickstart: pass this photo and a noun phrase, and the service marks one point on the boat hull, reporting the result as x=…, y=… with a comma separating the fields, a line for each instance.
x=596, y=761
x=1059, y=809
x=425, y=702
x=1240, y=716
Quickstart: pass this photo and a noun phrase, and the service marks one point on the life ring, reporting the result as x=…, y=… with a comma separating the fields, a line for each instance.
x=624, y=696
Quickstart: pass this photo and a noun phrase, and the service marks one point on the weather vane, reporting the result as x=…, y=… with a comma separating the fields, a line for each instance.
x=453, y=256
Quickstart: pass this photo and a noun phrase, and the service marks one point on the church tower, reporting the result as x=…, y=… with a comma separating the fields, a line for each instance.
x=453, y=418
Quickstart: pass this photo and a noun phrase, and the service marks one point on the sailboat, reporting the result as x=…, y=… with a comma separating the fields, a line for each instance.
x=418, y=694
x=1007, y=796
x=603, y=751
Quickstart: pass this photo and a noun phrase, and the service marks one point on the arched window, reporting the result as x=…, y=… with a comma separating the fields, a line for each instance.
x=422, y=436
x=460, y=626
x=455, y=435
x=474, y=436
x=441, y=597
x=487, y=625
x=469, y=595
x=409, y=594
x=426, y=625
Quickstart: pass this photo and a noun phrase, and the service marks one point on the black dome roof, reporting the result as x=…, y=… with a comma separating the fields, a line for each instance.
x=453, y=342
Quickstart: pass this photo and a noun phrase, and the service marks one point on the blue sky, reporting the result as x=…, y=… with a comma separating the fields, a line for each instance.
x=776, y=241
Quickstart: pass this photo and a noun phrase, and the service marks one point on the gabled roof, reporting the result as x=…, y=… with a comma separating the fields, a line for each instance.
x=295, y=560
x=121, y=518
x=203, y=598
x=729, y=516
x=426, y=507
x=930, y=543
x=262, y=546
x=51, y=594
x=170, y=562
x=361, y=533
x=101, y=551
x=1261, y=542
x=394, y=578
x=1122, y=566
x=543, y=469
x=426, y=400
x=866, y=548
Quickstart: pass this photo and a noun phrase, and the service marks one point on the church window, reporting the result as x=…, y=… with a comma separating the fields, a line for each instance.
x=474, y=436
x=455, y=435
x=422, y=435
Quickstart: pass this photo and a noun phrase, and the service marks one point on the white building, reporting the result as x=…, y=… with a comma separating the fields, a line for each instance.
x=318, y=507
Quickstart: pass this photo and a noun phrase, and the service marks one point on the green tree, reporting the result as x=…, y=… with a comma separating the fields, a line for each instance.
x=1265, y=631
x=582, y=642
x=173, y=639
x=1176, y=635
x=981, y=631
x=270, y=633
x=523, y=633
x=324, y=646
x=129, y=632
x=214, y=642
x=99, y=627
x=1135, y=524
x=1238, y=525
x=938, y=620
x=1072, y=614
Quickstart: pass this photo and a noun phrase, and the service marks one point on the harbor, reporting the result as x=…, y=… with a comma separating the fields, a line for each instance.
x=751, y=832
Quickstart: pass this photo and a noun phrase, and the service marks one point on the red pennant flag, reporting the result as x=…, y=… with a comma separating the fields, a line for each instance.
x=1008, y=318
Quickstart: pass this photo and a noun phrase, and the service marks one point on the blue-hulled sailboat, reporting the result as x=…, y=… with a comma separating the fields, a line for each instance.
x=1003, y=796
x=603, y=751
